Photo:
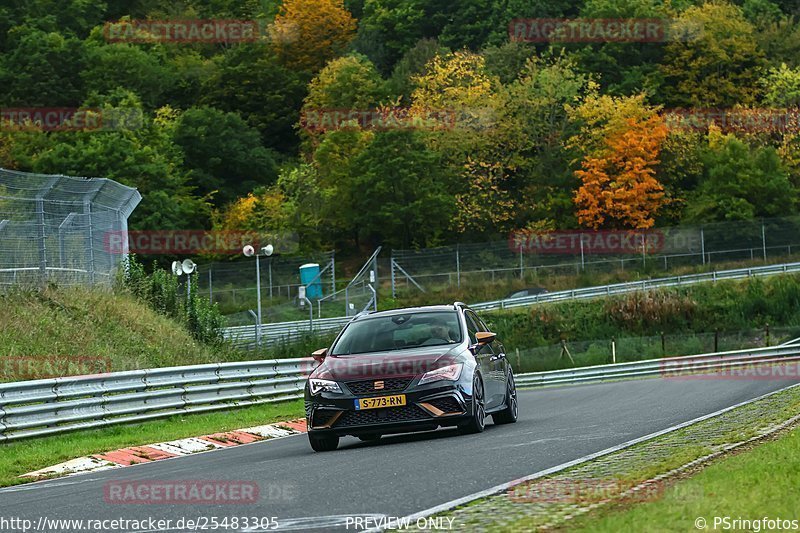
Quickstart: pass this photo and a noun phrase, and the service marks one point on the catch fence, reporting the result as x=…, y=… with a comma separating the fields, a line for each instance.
x=62, y=229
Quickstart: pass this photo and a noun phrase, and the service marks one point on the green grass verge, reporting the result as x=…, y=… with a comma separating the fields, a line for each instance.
x=17, y=458
x=753, y=484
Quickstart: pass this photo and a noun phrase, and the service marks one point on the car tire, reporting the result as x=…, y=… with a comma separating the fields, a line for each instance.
x=369, y=438
x=327, y=443
x=476, y=422
x=509, y=414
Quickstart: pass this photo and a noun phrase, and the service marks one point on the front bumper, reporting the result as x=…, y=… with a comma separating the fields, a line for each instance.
x=428, y=407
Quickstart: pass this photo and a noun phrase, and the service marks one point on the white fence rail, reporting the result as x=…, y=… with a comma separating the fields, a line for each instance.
x=50, y=406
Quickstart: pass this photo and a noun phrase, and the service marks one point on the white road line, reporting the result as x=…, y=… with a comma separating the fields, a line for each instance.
x=505, y=486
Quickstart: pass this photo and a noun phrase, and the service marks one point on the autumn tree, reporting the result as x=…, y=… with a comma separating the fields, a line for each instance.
x=619, y=187
x=308, y=33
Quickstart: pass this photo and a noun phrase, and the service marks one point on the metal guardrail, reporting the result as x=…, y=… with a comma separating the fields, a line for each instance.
x=674, y=367
x=619, y=288
x=280, y=332
x=49, y=406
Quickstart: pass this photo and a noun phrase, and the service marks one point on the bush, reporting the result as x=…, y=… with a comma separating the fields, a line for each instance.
x=160, y=291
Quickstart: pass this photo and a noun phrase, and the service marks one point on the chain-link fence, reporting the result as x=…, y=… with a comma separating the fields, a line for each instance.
x=62, y=229
x=280, y=289
x=571, y=354
x=232, y=285
x=526, y=255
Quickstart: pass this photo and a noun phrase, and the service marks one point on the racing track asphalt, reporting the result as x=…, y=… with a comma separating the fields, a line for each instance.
x=404, y=474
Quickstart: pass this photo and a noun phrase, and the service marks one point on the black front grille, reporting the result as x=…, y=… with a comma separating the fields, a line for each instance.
x=322, y=417
x=368, y=386
x=406, y=413
x=447, y=405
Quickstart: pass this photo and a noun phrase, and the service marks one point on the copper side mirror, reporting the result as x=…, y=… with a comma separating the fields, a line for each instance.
x=485, y=337
x=319, y=355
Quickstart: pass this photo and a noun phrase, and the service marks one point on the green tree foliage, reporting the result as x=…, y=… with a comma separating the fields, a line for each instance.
x=782, y=87
x=740, y=183
x=412, y=65
x=42, y=69
x=224, y=155
x=349, y=82
x=624, y=68
x=717, y=62
x=404, y=198
x=221, y=143
x=124, y=66
x=251, y=81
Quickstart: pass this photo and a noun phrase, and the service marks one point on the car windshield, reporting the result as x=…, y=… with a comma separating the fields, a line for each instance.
x=397, y=332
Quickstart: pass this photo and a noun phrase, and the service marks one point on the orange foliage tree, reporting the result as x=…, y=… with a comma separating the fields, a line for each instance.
x=618, y=185
x=308, y=33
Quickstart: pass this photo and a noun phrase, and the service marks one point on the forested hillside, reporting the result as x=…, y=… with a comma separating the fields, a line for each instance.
x=462, y=133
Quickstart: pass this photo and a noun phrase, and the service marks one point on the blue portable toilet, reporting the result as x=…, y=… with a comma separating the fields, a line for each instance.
x=310, y=273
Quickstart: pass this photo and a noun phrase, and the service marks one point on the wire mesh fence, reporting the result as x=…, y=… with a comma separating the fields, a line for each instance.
x=60, y=229
x=527, y=255
x=570, y=354
x=232, y=284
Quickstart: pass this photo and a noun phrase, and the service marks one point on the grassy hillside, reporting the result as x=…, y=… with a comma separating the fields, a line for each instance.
x=723, y=306
x=80, y=331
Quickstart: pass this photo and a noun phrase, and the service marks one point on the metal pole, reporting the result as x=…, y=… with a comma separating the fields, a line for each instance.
x=258, y=299
x=188, y=288
x=764, y=241
x=210, y=287
x=391, y=268
x=583, y=264
x=703, y=245
x=41, y=238
x=458, y=267
x=521, y=264
x=270, y=277
x=333, y=272
x=613, y=350
x=644, y=250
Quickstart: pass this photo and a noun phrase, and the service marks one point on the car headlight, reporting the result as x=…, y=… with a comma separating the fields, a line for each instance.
x=446, y=373
x=318, y=386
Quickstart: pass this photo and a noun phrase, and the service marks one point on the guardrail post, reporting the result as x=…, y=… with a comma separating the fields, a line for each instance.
x=613, y=350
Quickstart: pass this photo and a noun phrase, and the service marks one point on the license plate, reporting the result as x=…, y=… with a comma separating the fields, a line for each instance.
x=382, y=401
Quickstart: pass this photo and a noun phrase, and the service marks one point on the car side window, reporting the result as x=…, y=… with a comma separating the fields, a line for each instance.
x=472, y=328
